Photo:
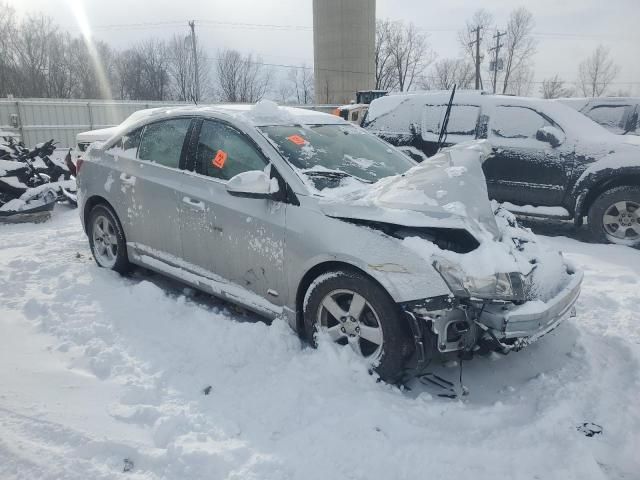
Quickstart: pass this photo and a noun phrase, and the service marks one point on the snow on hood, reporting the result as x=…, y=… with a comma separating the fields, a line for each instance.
x=449, y=191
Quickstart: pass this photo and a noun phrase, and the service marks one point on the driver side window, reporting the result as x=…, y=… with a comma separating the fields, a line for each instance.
x=223, y=152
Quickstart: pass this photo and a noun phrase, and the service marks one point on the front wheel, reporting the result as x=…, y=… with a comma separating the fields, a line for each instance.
x=615, y=216
x=355, y=311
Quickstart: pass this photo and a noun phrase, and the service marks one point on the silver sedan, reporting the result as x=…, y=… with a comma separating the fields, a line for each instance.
x=297, y=214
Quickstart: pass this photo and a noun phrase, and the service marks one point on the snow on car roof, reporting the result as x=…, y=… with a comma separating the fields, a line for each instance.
x=262, y=113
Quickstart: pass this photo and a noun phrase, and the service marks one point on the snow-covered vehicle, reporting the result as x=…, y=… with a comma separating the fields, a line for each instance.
x=619, y=115
x=297, y=214
x=548, y=160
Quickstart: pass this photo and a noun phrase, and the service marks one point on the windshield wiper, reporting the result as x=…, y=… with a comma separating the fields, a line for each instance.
x=333, y=174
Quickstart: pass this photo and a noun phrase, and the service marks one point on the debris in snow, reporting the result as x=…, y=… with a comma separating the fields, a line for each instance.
x=128, y=465
x=207, y=390
x=590, y=429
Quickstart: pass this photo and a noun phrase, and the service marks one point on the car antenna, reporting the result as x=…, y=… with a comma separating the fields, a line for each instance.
x=445, y=121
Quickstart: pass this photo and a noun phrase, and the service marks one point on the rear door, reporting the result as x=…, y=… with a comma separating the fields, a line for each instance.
x=238, y=239
x=154, y=189
x=524, y=170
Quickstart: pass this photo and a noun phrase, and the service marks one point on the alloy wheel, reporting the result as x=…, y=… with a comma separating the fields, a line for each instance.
x=105, y=241
x=348, y=318
x=622, y=220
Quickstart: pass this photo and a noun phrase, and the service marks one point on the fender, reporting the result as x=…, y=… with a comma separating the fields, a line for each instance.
x=607, y=173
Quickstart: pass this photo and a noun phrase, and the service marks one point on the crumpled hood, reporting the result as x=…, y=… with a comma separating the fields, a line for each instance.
x=447, y=191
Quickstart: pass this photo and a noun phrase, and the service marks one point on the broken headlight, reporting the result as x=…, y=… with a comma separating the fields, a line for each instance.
x=499, y=286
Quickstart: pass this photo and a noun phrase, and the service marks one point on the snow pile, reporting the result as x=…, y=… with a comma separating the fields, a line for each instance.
x=268, y=111
x=96, y=368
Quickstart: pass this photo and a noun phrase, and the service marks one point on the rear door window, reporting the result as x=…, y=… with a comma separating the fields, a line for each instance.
x=127, y=145
x=223, y=152
x=162, y=142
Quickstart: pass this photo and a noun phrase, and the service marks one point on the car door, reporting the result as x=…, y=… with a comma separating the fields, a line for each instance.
x=524, y=169
x=154, y=185
x=238, y=239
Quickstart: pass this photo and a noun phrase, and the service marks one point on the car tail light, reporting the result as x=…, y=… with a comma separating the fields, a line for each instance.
x=79, y=163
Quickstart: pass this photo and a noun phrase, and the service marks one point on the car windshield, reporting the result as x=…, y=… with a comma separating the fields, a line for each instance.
x=337, y=151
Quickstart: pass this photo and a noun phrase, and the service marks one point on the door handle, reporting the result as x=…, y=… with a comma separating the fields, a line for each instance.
x=193, y=203
x=127, y=179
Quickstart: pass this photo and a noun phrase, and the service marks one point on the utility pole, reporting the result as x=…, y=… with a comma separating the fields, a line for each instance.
x=495, y=58
x=477, y=44
x=196, y=72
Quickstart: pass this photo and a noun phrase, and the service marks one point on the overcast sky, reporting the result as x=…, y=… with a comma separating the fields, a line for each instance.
x=566, y=30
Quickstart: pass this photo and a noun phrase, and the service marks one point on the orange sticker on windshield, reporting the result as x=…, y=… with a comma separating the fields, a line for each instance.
x=297, y=139
x=219, y=159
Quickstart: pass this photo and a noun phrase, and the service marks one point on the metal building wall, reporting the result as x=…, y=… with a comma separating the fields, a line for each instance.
x=343, y=48
x=39, y=120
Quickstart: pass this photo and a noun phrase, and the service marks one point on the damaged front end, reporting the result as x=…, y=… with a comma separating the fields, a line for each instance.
x=502, y=311
x=506, y=289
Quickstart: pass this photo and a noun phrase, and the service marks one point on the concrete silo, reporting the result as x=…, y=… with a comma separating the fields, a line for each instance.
x=343, y=48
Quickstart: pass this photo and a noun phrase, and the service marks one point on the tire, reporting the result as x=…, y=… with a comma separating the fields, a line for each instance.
x=615, y=216
x=378, y=332
x=106, y=239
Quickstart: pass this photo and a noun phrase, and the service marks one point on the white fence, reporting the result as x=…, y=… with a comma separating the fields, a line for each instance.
x=37, y=120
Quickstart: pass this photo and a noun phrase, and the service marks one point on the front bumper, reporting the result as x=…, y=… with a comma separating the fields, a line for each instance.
x=516, y=326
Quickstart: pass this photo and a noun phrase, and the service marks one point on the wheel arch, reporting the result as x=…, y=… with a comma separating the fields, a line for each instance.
x=319, y=269
x=88, y=206
x=594, y=187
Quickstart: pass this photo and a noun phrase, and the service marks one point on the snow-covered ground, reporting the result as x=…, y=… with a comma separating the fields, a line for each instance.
x=96, y=369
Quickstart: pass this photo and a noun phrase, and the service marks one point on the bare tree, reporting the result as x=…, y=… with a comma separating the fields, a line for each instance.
x=450, y=71
x=181, y=67
x=302, y=80
x=30, y=46
x=241, y=78
x=520, y=46
x=410, y=54
x=7, y=63
x=483, y=19
x=554, y=87
x=386, y=78
x=284, y=91
x=61, y=78
x=596, y=73
x=521, y=81
x=154, y=63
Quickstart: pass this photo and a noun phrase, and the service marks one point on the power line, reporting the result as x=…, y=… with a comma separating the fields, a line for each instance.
x=294, y=27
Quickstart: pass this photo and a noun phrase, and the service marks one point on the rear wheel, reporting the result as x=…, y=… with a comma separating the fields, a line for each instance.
x=615, y=216
x=106, y=239
x=355, y=311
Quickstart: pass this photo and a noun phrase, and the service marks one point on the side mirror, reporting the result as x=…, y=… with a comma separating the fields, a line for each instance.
x=252, y=184
x=552, y=135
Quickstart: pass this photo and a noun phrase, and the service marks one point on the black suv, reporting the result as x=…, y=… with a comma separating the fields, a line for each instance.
x=548, y=160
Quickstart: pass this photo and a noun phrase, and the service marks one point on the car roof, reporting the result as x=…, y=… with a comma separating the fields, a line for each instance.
x=260, y=114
